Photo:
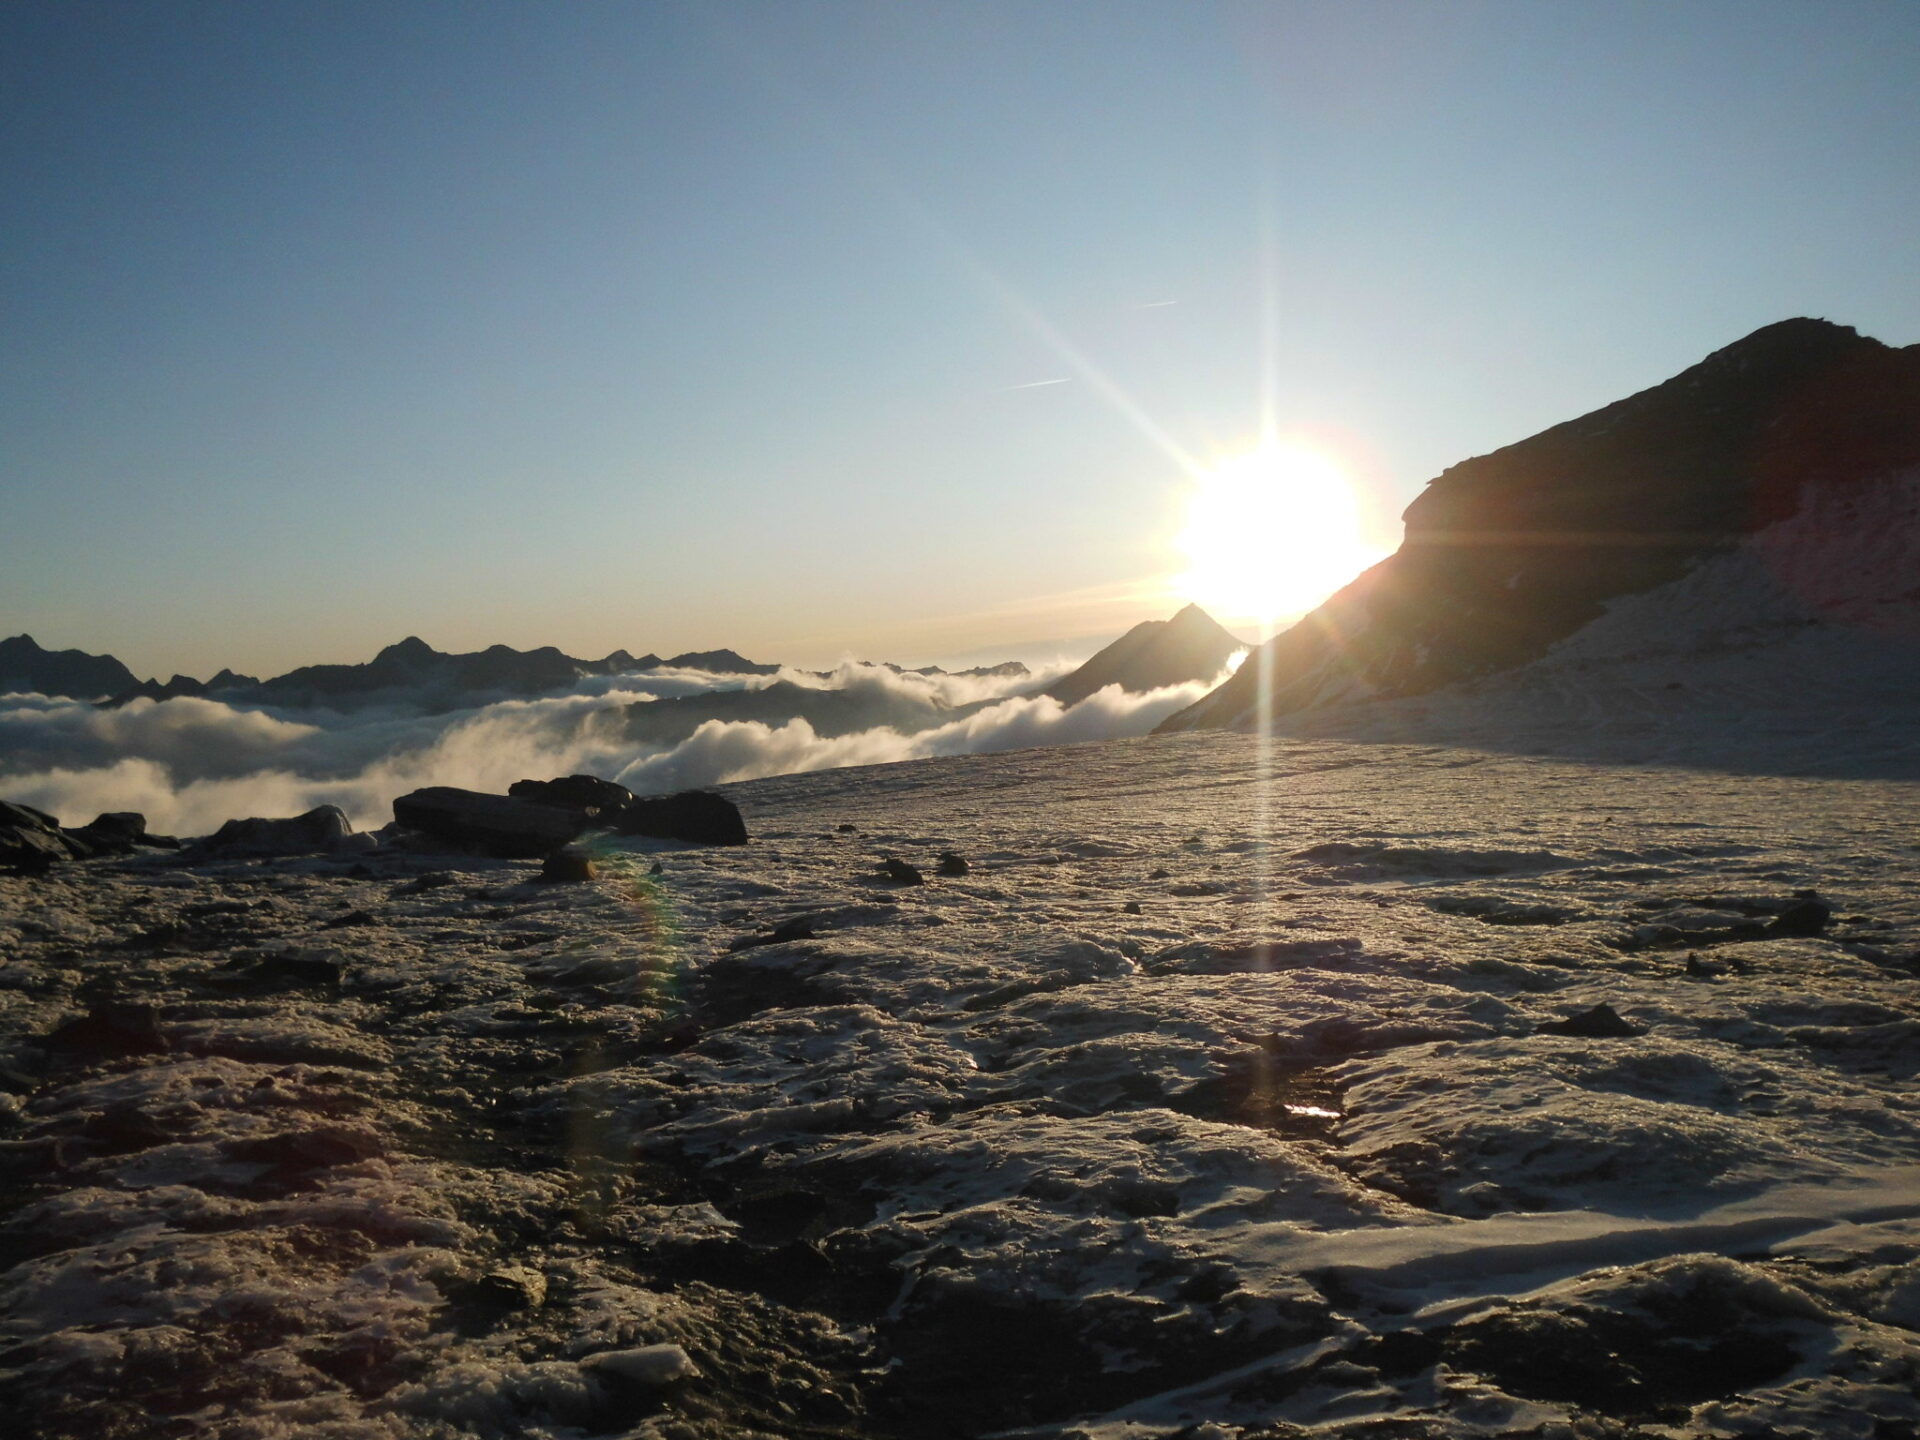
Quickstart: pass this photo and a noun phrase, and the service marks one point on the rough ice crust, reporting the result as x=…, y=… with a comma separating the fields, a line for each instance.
x=1214, y=1095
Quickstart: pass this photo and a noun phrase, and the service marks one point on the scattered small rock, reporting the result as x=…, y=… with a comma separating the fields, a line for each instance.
x=797, y=929
x=1602, y=1022
x=512, y=1287
x=952, y=864
x=1132, y=907
x=845, y=829
x=900, y=872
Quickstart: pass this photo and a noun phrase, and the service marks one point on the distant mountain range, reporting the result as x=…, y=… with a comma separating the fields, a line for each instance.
x=1510, y=553
x=1156, y=653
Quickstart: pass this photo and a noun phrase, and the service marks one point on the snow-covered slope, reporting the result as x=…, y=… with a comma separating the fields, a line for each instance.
x=1227, y=1094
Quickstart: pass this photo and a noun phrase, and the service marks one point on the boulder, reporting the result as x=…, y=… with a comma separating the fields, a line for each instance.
x=579, y=792
x=321, y=830
x=32, y=842
x=697, y=816
x=900, y=872
x=1602, y=1022
x=569, y=865
x=952, y=864
x=120, y=832
x=507, y=826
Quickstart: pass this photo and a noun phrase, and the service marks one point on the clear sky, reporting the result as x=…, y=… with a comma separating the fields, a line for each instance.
x=670, y=326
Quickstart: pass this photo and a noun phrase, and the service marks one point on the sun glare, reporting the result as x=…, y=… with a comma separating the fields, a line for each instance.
x=1271, y=534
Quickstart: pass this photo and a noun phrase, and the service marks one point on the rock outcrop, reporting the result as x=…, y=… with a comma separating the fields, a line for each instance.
x=1506, y=554
x=323, y=830
x=1152, y=655
x=33, y=842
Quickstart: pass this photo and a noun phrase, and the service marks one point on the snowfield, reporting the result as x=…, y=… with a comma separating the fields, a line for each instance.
x=1221, y=1097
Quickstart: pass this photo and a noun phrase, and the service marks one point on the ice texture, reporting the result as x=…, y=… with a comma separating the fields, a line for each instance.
x=1218, y=1097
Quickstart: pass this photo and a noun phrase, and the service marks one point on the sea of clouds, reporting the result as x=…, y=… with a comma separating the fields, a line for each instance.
x=190, y=764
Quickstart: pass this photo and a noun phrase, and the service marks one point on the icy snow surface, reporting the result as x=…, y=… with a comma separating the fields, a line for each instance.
x=1213, y=1101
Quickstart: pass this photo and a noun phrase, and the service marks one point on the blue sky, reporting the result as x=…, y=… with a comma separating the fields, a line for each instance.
x=671, y=326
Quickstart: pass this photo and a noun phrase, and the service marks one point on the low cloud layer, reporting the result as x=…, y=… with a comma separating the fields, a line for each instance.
x=188, y=764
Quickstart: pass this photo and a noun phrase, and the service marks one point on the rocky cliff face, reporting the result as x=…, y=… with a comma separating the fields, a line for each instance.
x=1507, y=553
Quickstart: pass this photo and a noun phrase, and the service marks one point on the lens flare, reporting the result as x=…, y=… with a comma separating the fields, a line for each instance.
x=1272, y=533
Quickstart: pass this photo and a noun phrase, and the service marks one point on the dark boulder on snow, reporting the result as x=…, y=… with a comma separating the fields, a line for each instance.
x=31, y=841
x=1805, y=917
x=698, y=817
x=1602, y=1022
x=120, y=832
x=569, y=865
x=900, y=872
x=504, y=826
x=579, y=792
x=952, y=865
x=321, y=830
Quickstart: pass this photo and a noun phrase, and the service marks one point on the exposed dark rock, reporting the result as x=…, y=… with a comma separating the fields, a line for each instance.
x=1132, y=907
x=120, y=832
x=1152, y=655
x=782, y=934
x=111, y=1029
x=579, y=792
x=1602, y=1022
x=514, y=1287
x=501, y=825
x=32, y=842
x=320, y=830
x=952, y=864
x=900, y=872
x=1507, y=553
x=1805, y=917
x=567, y=865
x=74, y=673
x=698, y=817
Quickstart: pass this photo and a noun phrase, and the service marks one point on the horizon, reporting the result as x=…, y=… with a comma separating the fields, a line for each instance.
x=904, y=335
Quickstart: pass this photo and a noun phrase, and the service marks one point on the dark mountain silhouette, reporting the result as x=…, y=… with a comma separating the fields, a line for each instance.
x=1152, y=655
x=429, y=676
x=858, y=705
x=1505, y=554
x=75, y=674
x=719, y=662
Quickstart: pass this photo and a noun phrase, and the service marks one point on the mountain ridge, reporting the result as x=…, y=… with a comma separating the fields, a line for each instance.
x=1508, y=553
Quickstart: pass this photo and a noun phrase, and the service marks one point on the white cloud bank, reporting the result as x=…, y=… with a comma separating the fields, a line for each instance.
x=189, y=764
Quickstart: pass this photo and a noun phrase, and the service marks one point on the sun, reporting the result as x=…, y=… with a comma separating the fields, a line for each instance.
x=1272, y=533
